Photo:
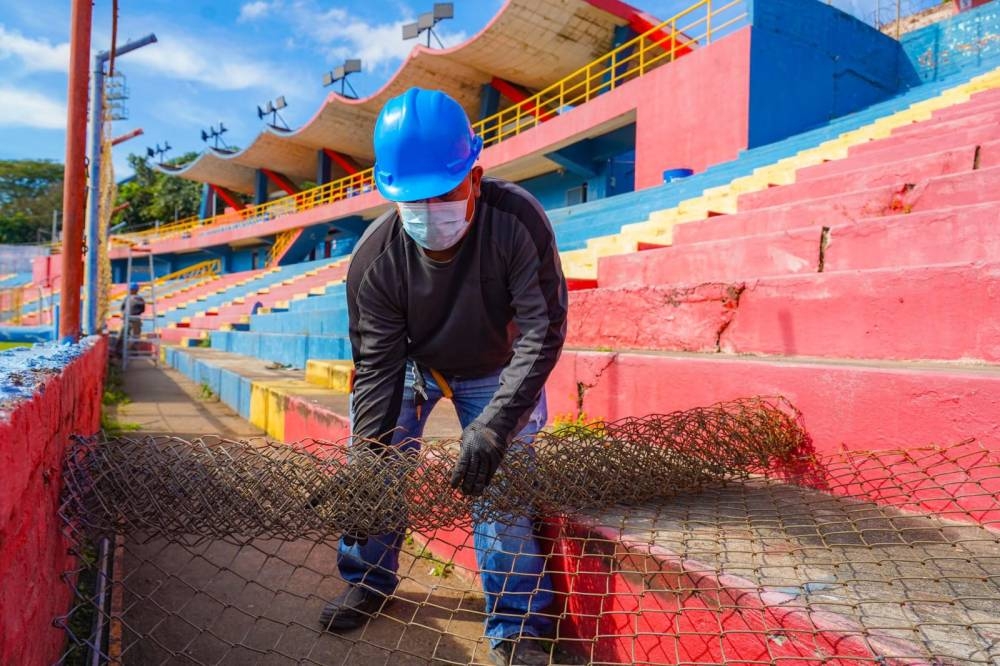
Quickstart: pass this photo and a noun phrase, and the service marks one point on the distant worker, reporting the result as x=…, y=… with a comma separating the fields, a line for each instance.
x=458, y=292
x=132, y=308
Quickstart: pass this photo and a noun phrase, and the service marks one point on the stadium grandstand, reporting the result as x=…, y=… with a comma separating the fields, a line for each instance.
x=780, y=228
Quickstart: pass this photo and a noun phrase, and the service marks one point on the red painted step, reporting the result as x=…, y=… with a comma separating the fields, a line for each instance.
x=941, y=313
x=942, y=192
x=911, y=169
x=858, y=405
x=972, y=107
x=681, y=318
x=934, y=126
x=941, y=236
x=874, y=153
x=795, y=251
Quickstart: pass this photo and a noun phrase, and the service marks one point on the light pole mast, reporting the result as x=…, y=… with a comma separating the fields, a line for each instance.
x=90, y=324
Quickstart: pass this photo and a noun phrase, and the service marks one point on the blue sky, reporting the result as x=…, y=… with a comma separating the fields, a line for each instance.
x=215, y=61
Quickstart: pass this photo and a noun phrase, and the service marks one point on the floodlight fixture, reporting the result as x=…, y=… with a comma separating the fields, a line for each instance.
x=271, y=109
x=426, y=22
x=151, y=152
x=350, y=66
x=215, y=135
x=444, y=10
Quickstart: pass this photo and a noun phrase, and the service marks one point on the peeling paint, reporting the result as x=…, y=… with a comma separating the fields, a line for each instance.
x=24, y=370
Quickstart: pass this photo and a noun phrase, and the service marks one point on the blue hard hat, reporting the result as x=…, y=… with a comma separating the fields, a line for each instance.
x=134, y=286
x=424, y=146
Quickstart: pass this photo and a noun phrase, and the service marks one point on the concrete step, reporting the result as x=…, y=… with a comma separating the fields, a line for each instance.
x=936, y=193
x=779, y=253
x=985, y=118
x=984, y=102
x=871, y=154
x=910, y=169
x=682, y=318
x=940, y=313
x=871, y=314
x=939, y=236
x=287, y=349
x=860, y=405
x=715, y=576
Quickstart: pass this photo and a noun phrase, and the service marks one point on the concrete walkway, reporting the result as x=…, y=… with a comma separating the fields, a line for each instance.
x=258, y=601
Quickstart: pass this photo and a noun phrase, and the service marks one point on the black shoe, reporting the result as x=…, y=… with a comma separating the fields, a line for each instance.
x=527, y=651
x=352, y=608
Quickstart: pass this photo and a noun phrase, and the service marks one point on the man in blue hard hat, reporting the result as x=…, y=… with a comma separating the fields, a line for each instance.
x=457, y=292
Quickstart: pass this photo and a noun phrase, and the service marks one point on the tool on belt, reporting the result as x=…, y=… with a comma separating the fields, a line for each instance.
x=420, y=387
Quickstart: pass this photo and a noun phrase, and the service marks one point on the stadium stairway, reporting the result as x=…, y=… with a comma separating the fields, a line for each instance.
x=588, y=232
x=234, y=298
x=858, y=280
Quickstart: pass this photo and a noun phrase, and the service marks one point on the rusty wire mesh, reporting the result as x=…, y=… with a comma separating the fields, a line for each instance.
x=670, y=539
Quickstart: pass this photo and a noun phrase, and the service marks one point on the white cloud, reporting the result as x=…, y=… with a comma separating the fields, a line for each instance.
x=27, y=108
x=252, y=11
x=340, y=34
x=37, y=55
x=186, y=59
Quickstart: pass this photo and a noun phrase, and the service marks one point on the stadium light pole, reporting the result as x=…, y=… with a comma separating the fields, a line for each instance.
x=90, y=324
x=74, y=179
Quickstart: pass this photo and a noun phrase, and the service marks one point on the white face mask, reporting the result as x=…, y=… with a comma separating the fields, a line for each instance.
x=437, y=225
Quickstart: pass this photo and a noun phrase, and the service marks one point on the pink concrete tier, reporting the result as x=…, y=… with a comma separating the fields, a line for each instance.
x=969, y=188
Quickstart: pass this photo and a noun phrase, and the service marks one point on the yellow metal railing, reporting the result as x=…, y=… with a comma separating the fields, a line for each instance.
x=28, y=302
x=209, y=268
x=281, y=243
x=659, y=45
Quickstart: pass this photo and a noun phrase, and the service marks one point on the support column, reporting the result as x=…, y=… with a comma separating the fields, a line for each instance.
x=323, y=170
x=74, y=183
x=207, y=207
x=259, y=187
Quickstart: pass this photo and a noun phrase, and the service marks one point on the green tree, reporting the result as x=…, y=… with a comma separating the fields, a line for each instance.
x=29, y=191
x=156, y=197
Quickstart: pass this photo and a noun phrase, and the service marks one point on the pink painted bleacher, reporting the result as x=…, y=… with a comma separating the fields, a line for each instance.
x=968, y=188
x=900, y=170
x=179, y=297
x=882, y=328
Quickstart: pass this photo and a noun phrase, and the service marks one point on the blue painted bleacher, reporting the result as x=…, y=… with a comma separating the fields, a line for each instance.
x=265, y=279
x=16, y=280
x=313, y=327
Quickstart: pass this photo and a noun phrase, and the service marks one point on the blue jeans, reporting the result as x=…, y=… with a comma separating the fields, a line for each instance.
x=510, y=562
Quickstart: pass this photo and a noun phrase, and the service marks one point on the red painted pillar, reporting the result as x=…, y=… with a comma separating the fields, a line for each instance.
x=75, y=178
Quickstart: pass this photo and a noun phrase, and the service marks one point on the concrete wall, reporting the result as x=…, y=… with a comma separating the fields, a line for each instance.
x=811, y=63
x=692, y=113
x=33, y=438
x=20, y=258
x=969, y=39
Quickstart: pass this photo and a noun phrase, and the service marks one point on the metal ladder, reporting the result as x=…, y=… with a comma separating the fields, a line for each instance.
x=152, y=335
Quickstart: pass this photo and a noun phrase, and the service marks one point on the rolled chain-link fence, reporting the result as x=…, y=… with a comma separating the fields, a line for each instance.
x=668, y=539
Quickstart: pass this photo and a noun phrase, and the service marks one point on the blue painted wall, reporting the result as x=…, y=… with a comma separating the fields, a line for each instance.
x=811, y=63
x=970, y=39
x=610, y=159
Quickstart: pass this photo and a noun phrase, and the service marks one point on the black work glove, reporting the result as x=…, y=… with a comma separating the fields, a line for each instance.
x=481, y=452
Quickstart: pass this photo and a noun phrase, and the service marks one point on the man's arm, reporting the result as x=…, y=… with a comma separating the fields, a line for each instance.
x=378, y=339
x=539, y=298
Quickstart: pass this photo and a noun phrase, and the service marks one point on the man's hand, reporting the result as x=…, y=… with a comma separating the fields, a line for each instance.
x=482, y=450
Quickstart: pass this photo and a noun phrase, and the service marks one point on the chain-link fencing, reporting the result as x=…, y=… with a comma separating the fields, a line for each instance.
x=667, y=539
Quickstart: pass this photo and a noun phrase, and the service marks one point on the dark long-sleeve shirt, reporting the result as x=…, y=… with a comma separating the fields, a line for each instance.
x=499, y=303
